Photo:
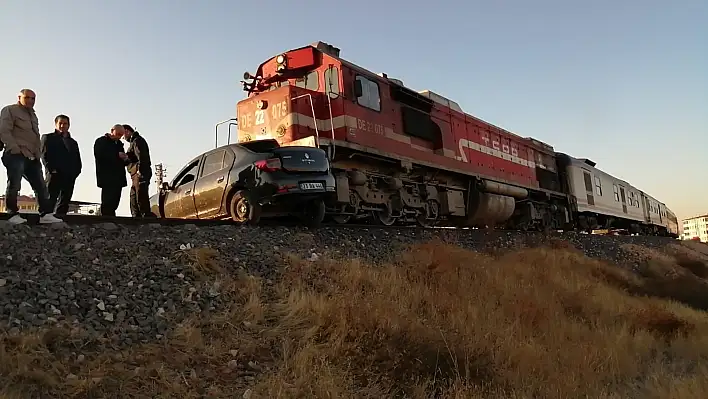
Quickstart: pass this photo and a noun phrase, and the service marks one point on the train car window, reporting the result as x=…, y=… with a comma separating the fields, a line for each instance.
x=598, y=186
x=213, y=162
x=588, y=182
x=370, y=95
x=311, y=81
x=616, y=192
x=331, y=78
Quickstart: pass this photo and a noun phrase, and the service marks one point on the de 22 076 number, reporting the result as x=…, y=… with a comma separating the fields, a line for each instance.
x=367, y=126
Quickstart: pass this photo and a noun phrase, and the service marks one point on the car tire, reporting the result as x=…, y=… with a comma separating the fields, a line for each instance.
x=243, y=210
x=314, y=213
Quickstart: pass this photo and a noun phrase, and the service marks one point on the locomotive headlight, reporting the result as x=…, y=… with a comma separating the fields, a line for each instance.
x=282, y=63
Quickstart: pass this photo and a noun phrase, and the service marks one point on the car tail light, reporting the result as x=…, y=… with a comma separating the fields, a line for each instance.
x=269, y=165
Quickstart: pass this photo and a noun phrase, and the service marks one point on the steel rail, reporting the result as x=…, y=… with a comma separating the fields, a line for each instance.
x=33, y=219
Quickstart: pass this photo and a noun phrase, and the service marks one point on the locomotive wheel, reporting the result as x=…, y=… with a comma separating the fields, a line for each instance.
x=342, y=219
x=430, y=217
x=384, y=217
x=243, y=210
x=353, y=202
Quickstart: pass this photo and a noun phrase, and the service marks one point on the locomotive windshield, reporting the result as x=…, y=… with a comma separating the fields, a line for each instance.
x=305, y=79
x=300, y=67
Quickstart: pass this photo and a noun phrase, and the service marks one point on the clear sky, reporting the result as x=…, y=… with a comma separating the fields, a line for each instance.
x=624, y=83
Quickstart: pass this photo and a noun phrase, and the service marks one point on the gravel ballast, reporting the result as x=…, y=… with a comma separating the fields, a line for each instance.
x=132, y=281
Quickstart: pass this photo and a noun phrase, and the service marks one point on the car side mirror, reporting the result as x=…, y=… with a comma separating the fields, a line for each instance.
x=166, y=186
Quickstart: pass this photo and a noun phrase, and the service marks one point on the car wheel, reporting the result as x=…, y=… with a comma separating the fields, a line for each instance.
x=314, y=213
x=243, y=210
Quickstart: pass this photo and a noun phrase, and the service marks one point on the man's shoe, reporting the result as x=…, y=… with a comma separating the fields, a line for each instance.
x=49, y=218
x=17, y=219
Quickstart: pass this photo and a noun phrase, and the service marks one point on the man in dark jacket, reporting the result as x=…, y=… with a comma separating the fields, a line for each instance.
x=62, y=164
x=140, y=168
x=110, y=169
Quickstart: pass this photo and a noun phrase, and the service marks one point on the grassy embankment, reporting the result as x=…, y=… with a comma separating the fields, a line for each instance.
x=442, y=322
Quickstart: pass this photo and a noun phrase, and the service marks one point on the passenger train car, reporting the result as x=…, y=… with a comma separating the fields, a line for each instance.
x=603, y=201
x=401, y=156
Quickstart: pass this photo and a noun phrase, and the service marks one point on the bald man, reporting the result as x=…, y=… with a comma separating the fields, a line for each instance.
x=111, y=159
x=19, y=133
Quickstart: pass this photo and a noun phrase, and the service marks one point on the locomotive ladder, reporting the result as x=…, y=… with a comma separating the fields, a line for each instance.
x=330, y=152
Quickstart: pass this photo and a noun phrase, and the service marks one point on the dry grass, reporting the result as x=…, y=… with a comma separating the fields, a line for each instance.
x=440, y=322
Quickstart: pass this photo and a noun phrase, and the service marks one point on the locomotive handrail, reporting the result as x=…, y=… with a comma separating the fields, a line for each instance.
x=228, y=136
x=234, y=122
x=314, y=120
x=331, y=124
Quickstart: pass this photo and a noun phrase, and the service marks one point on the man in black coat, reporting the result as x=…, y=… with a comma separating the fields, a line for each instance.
x=110, y=169
x=62, y=163
x=140, y=169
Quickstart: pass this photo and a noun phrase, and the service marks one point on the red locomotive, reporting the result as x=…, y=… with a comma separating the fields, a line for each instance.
x=401, y=155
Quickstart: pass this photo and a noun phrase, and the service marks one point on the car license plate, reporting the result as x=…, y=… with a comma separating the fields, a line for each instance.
x=311, y=186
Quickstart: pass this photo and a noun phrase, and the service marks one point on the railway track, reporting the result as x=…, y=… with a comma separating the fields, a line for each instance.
x=33, y=219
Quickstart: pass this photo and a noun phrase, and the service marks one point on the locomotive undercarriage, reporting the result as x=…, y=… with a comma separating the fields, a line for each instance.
x=366, y=195
x=588, y=221
x=385, y=191
x=540, y=214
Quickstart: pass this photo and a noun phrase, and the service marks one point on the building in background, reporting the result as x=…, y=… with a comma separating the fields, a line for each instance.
x=696, y=228
x=28, y=204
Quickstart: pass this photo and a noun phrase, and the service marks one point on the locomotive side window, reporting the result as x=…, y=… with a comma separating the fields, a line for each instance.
x=331, y=77
x=311, y=81
x=616, y=192
x=370, y=97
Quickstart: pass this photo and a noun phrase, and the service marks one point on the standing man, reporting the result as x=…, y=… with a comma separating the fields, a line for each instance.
x=19, y=133
x=140, y=169
x=62, y=163
x=110, y=169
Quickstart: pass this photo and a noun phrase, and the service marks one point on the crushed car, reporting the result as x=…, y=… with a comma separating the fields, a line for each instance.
x=248, y=181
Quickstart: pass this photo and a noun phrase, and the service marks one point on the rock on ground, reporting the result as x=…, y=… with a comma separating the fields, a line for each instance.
x=132, y=281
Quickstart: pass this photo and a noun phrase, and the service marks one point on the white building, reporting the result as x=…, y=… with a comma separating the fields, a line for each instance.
x=696, y=228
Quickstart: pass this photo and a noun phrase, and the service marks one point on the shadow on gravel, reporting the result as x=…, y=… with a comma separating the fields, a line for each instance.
x=438, y=321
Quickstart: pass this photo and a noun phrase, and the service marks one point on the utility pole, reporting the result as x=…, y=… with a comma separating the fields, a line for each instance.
x=160, y=174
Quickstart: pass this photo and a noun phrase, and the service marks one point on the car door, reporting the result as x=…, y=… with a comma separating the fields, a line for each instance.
x=210, y=187
x=179, y=199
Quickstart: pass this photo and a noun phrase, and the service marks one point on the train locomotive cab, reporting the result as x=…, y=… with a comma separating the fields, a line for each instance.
x=290, y=98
